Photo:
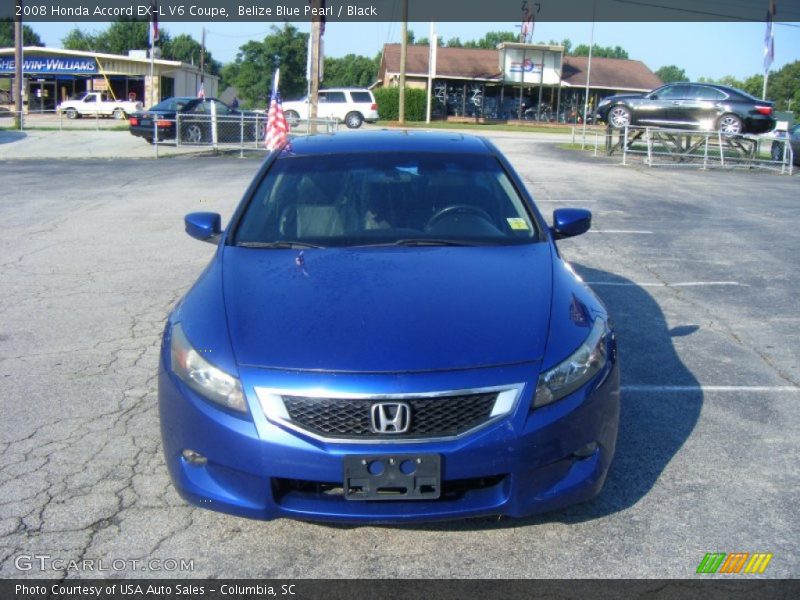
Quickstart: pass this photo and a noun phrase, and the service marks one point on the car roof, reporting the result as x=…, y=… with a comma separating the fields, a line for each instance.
x=386, y=141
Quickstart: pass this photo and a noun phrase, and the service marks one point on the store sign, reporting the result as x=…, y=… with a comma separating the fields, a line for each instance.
x=44, y=65
x=531, y=66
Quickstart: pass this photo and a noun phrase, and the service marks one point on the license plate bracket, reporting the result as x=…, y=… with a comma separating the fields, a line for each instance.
x=392, y=477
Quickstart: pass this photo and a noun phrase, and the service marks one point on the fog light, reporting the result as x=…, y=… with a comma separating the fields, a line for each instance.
x=194, y=458
x=586, y=451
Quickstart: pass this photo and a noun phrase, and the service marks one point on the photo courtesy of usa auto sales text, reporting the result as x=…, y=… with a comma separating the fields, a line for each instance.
x=134, y=589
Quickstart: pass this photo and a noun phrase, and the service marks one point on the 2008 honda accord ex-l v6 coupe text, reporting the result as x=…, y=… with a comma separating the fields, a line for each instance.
x=386, y=333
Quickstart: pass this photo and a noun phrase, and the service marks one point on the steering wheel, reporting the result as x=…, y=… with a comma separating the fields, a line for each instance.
x=457, y=209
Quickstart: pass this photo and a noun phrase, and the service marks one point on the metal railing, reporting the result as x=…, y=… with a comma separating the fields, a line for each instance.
x=56, y=119
x=657, y=146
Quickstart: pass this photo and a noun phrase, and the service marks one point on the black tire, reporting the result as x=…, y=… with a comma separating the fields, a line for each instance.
x=72, y=113
x=618, y=116
x=292, y=118
x=149, y=140
x=193, y=133
x=776, y=152
x=119, y=114
x=353, y=120
x=730, y=124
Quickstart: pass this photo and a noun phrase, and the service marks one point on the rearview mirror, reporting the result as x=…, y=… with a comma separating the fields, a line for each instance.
x=203, y=226
x=569, y=222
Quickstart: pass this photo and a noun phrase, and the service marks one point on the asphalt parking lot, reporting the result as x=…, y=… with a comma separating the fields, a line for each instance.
x=699, y=270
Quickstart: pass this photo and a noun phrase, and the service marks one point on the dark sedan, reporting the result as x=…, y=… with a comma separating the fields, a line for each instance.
x=690, y=105
x=779, y=147
x=195, y=119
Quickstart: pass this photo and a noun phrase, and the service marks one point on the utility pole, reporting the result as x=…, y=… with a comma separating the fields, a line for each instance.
x=18, y=69
x=588, y=75
x=403, y=52
x=313, y=84
x=434, y=42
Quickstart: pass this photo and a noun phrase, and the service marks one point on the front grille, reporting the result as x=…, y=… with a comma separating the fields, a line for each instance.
x=443, y=416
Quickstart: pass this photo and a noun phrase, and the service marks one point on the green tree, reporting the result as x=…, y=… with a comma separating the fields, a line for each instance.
x=784, y=87
x=29, y=36
x=185, y=48
x=77, y=39
x=255, y=64
x=350, y=71
x=454, y=43
x=671, y=73
x=491, y=39
x=120, y=37
x=600, y=51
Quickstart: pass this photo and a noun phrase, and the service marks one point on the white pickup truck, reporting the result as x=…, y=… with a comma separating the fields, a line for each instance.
x=90, y=104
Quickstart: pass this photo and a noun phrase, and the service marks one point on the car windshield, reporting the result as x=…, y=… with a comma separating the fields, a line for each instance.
x=385, y=199
x=172, y=104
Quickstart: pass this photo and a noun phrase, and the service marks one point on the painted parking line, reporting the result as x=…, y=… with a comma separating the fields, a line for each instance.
x=658, y=284
x=636, y=231
x=709, y=388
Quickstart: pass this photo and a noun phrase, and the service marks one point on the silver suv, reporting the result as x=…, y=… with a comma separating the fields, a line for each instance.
x=351, y=106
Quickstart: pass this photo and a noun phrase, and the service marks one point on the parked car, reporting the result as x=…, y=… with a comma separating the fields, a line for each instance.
x=690, y=105
x=387, y=332
x=90, y=104
x=778, y=146
x=196, y=122
x=350, y=106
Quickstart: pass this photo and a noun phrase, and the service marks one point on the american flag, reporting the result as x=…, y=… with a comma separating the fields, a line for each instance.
x=277, y=128
x=769, y=37
x=201, y=92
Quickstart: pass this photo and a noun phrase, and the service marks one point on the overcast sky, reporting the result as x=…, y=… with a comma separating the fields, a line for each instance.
x=702, y=49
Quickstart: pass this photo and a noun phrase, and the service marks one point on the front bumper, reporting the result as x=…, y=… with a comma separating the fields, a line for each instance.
x=523, y=464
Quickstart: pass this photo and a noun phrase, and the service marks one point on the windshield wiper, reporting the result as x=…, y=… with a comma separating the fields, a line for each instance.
x=279, y=245
x=431, y=242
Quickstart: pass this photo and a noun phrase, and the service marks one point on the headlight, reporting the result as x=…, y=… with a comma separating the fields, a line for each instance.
x=203, y=377
x=576, y=370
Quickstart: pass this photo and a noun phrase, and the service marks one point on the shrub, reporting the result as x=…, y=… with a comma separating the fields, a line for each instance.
x=388, y=100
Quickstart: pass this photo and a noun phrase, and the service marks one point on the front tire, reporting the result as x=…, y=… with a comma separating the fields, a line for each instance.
x=72, y=113
x=353, y=120
x=619, y=117
x=119, y=114
x=292, y=118
x=730, y=124
x=193, y=134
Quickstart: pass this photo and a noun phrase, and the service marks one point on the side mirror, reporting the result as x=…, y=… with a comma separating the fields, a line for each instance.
x=569, y=222
x=203, y=226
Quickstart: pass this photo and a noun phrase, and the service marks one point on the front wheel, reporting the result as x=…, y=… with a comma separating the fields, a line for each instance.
x=119, y=114
x=730, y=124
x=353, y=120
x=72, y=113
x=292, y=118
x=619, y=117
x=193, y=133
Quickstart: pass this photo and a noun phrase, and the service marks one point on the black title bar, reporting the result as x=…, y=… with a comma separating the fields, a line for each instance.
x=714, y=588
x=221, y=11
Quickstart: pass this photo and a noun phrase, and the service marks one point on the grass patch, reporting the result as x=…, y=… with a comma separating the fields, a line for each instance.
x=478, y=126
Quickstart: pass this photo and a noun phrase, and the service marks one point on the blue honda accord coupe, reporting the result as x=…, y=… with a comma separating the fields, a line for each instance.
x=388, y=333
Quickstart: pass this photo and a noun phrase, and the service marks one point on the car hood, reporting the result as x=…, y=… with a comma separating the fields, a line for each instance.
x=387, y=309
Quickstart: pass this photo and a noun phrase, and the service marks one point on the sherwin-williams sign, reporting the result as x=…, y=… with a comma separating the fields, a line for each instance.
x=42, y=65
